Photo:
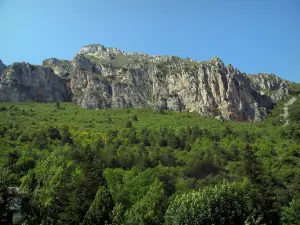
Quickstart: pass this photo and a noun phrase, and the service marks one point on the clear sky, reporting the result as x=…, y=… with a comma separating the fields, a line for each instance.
x=253, y=35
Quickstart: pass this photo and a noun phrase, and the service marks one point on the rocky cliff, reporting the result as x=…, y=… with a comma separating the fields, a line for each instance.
x=22, y=81
x=100, y=77
x=2, y=67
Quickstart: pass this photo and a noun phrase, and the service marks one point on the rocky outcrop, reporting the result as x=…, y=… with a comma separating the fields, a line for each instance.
x=100, y=77
x=2, y=67
x=61, y=68
x=22, y=82
x=271, y=85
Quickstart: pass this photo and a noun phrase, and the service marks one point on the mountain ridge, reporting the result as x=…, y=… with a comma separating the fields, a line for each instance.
x=100, y=77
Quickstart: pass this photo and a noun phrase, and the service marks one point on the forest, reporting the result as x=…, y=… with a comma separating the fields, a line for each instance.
x=61, y=164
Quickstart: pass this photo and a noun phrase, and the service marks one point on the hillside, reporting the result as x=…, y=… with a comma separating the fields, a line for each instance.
x=63, y=164
x=100, y=77
x=286, y=110
x=118, y=138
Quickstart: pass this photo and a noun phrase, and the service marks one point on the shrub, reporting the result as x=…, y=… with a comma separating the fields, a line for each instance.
x=226, y=203
x=291, y=214
x=57, y=105
x=2, y=108
x=128, y=124
x=135, y=118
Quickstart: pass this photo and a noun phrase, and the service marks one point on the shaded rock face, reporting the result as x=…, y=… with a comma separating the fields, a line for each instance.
x=2, y=67
x=100, y=77
x=22, y=81
x=271, y=85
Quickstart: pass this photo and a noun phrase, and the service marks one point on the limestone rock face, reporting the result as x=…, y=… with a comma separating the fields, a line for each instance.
x=22, y=81
x=59, y=67
x=271, y=85
x=100, y=77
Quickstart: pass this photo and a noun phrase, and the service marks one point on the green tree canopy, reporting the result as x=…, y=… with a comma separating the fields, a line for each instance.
x=291, y=214
x=99, y=211
x=227, y=203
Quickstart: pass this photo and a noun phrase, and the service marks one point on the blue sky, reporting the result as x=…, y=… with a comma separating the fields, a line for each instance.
x=253, y=35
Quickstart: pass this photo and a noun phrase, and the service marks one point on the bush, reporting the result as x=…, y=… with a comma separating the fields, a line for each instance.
x=23, y=137
x=57, y=105
x=128, y=124
x=53, y=133
x=2, y=108
x=234, y=203
x=66, y=136
x=135, y=118
x=291, y=214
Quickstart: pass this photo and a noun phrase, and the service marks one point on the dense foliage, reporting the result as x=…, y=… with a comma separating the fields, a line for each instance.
x=234, y=203
x=61, y=164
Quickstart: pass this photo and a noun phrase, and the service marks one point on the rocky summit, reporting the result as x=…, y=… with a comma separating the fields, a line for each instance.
x=100, y=77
